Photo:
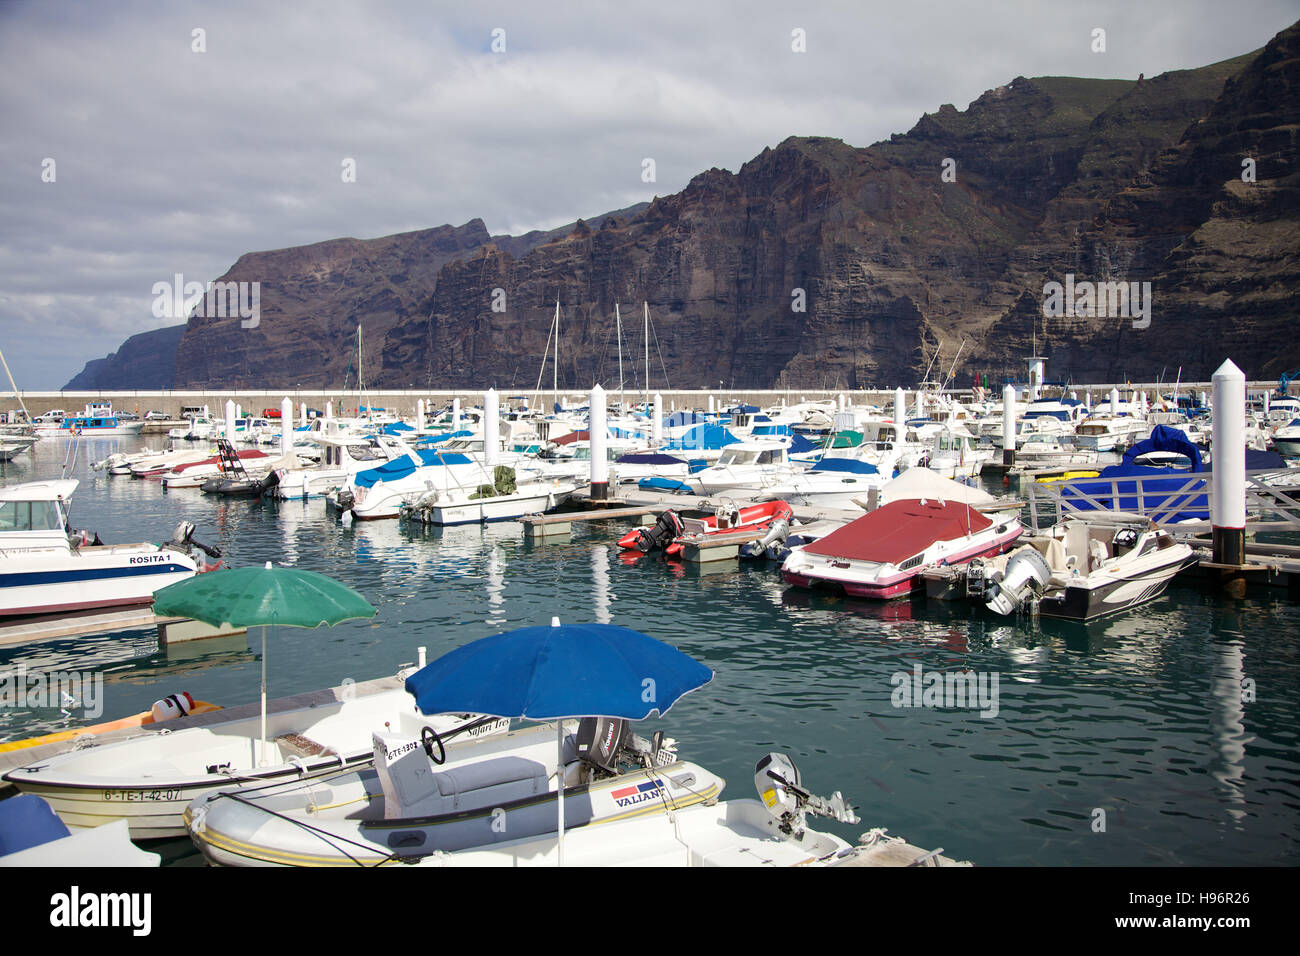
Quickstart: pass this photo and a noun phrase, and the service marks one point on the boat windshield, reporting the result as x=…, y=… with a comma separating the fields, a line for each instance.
x=29, y=516
x=737, y=456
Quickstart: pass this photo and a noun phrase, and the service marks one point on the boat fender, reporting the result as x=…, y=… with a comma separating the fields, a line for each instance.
x=174, y=705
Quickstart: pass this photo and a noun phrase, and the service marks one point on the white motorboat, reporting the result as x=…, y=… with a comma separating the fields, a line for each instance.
x=504, y=500
x=194, y=474
x=882, y=554
x=1286, y=440
x=149, y=779
x=841, y=475
x=1090, y=565
x=747, y=466
x=45, y=568
x=343, y=456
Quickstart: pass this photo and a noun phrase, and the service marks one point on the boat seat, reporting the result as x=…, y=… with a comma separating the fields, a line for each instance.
x=491, y=773
x=1097, y=553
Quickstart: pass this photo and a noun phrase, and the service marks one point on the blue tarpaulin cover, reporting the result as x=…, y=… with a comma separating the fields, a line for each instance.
x=27, y=821
x=1190, y=505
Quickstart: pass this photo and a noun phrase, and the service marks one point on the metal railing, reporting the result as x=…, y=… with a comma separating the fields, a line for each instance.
x=1272, y=498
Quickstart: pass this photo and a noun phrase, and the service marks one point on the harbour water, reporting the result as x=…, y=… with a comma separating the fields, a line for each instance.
x=1133, y=741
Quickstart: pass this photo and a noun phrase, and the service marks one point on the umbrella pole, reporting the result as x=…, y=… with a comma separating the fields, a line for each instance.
x=261, y=758
x=559, y=788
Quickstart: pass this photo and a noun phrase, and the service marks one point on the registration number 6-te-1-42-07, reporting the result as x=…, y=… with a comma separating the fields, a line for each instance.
x=141, y=795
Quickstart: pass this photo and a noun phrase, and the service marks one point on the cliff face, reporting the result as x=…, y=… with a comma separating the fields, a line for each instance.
x=819, y=264
x=145, y=361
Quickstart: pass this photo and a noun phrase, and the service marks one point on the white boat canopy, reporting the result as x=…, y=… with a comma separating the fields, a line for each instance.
x=56, y=490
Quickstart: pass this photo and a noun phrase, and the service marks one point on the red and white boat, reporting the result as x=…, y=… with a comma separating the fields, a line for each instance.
x=882, y=554
x=673, y=532
x=194, y=474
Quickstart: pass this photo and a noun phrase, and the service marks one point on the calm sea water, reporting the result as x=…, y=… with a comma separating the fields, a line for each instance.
x=1137, y=721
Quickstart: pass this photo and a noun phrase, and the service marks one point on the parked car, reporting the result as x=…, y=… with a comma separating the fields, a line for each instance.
x=156, y=416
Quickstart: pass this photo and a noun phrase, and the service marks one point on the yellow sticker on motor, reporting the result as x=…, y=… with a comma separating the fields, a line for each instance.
x=769, y=797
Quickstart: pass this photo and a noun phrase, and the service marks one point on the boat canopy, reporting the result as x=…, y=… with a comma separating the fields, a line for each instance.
x=1169, y=490
x=702, y=437
x=648, y=458
x=900, y=530
x=1163, y=438
x=405, y=465
x=848, y=465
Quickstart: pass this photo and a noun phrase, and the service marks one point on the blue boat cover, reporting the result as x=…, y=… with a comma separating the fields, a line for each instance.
x=648, y=458
x=665, y=484
x=401, y=467
x=1190, y=505
x=678, y=419
x=799, y=445
x=437, y=439
x=27, y=821
x=702, y=437
x=847, y=465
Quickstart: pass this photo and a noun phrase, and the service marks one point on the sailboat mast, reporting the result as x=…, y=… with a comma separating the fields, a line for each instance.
x=555, y=369
x=618, y=324
x=647, y=354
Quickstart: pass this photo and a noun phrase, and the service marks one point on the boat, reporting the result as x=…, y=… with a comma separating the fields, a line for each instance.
x=673, y=531
x=627, y=801
x=234, y=481
x=1087, y=566
x=194, y=474
x=97, y=421
x=46, y=568
x=882, y=554
x=343, y=456
x=1168, y=493
x=1286, y=440
x=504, y=499
x=842, y=475
x=749, y=465
x=149, y=779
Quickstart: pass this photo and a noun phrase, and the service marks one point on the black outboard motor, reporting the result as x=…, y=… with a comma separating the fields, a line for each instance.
x=600, y=741
x=183, y=540
x=665, y=531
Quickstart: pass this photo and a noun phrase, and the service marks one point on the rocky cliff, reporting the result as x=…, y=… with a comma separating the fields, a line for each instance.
x=820, y=264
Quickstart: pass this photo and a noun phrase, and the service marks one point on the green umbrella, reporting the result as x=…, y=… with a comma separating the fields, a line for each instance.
x=251, y=597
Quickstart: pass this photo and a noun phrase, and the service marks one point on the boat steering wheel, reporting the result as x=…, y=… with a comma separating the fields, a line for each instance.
x=429, y=737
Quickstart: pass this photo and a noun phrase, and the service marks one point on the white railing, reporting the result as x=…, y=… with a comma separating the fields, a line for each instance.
x=1272, y=497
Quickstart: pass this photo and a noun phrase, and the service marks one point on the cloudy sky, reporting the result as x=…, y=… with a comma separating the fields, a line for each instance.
x=170, y=159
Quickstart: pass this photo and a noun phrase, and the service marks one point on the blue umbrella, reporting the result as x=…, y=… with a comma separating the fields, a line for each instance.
x=549, y=673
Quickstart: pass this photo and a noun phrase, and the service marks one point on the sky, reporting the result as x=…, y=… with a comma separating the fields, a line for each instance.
x=142, y=140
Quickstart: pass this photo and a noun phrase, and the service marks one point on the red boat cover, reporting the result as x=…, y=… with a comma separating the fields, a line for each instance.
x=899, y=530
x=570, y=438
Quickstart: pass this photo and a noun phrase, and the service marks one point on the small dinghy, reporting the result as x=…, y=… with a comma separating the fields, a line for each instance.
x=673, y=531
x=148, y=780
x=882, y=554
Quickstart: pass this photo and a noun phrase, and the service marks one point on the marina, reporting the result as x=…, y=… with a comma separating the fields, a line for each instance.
x=815, y=673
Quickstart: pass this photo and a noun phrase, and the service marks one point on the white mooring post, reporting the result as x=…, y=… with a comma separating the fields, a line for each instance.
x=1009, y=425
x=286, y=425
x=711, y=404
x=657, y=426
x=303, y=419
x=1228, y=491
x=329, y=411
x=900, y=410
x=1114, y=402
x=230, y=420
x=455, y=414
x=419, y=415
x=596, y=435
x=491, y=429
x=920, y=404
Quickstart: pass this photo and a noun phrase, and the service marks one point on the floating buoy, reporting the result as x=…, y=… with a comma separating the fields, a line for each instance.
x=176, y=705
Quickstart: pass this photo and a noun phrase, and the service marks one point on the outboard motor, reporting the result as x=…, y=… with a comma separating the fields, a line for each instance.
x=183, y=540
x=1026, y=576
x=665, y=530
x=770, y=545
x=781, y=790
x=601, y=740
